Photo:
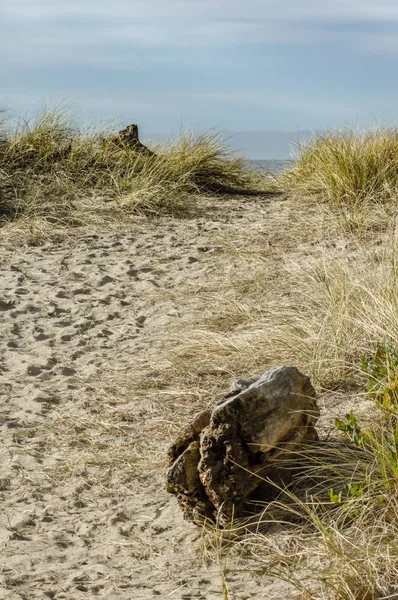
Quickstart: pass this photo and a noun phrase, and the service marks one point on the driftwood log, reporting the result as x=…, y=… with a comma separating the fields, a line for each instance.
x=129, y=137
x=229, y=454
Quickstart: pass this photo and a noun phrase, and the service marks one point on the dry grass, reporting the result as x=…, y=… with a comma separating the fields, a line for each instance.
x=48, y=165
x=348, y=166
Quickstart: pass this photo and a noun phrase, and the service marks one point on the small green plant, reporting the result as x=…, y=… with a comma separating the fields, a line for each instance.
x=350, y=490
x=381, y=439
x=382, y=373
x=351, y=429
x=336, y=497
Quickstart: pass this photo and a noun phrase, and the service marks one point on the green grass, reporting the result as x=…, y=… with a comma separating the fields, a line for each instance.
x=51, y=162
x=347, y=166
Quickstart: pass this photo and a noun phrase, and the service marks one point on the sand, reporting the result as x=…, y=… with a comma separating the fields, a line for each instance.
x=88, y=321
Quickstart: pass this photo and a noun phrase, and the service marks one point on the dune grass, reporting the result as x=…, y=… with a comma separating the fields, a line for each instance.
x=49, y=163
x=347, y=166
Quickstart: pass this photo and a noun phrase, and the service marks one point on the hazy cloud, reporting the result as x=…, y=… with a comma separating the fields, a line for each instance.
x=266, y=61
x=283, y=10
x=186, y=23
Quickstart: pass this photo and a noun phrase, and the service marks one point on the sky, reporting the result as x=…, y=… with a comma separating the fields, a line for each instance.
x=234, y=65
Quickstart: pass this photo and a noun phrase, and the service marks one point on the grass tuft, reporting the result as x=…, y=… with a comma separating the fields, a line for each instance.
x=50, y=163
x=347, y=167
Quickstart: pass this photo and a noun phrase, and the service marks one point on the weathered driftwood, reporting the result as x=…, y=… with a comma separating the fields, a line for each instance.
x=129, y=137
x=229, y=454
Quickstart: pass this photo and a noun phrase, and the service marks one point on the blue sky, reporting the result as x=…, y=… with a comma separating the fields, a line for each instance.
x=239, y=65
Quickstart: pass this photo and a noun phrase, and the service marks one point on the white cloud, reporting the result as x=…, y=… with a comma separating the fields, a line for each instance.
x=56, y=32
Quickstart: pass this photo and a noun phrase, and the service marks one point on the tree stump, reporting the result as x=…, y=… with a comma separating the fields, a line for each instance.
x=129, y=137
x=232, y=452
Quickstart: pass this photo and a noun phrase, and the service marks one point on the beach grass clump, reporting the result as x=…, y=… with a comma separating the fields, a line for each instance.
x=50, y=162
x=205, y=163
x=357, y=527
x=347, y=166
x=42, y=166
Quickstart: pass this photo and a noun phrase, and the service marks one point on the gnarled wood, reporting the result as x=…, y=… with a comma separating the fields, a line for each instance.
x=222, y=458
x=129, y=137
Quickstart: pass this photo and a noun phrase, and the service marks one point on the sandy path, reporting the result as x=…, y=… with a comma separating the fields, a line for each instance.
x=67, y=310
x=84, y=513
